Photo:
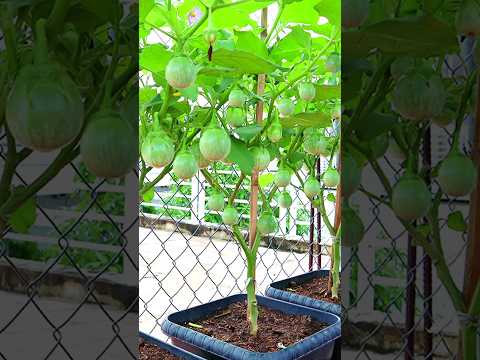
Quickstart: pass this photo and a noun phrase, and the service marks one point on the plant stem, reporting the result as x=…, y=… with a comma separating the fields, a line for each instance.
x=56, y=18
x=281, y=7
x=237, y=188
x=8, y=29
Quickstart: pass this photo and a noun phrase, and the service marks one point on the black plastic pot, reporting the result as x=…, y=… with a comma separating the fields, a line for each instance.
x=174, y=350
x=278, y=290
x=318, y=346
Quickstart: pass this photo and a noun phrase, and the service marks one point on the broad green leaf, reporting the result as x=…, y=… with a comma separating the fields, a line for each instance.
x=250, y=42
x=149, y=195
x=240, y=155
x=144, y=8
x=374, y=125
x=102, y=9
x=315, y=120
x=294, y=45
x=265, y=179
x=331, y=197
x=457, y=222
x=146, y=95
x=190, y=93
x=327, y=92
x=329, y=9
x=24, y=217
x=414, y=36
x=154, y=58
x=300, y=12
x=243, y=62
x=248, y=132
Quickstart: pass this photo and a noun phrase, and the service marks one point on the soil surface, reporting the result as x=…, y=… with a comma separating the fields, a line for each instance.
x=276, y=329
x=316, y=289
x=152, y=352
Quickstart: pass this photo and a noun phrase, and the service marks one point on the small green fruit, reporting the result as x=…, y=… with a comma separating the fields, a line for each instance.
x=283, y=177
x=311, y=187
x=411, y=198
x=185, y=165
x=286, y=107
x=261, y=158
x=180, y=72
x=267, y=224
x=230, y=216
x=236, y=98
x=210, y=35
x=418, y=98
x=284, y=200
x=235, y=116
x=201, y=161
x=457, y=175
x=216, y=201
x=274, y=132
x=331, y=178
x=109, y=145
x=215, y=144
x=158, y=149
x=317, y=144
x=306, y=91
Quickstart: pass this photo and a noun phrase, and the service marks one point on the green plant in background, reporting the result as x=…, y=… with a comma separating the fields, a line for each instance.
x=60, y=66
x=393, y=90
x=231, y=90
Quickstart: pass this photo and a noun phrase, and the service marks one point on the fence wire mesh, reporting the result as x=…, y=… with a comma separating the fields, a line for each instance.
x=80, y=249
x=189, y=257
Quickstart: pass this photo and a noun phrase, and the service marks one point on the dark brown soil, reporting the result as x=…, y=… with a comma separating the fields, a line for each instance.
x=316, y=289
x=276, y=330
x=152, y=352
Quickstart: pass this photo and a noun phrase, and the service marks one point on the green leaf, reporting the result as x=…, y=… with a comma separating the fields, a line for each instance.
x=103, y=9
x=330, y=10
x=190, y=93
x=315, y=120
x=327, y=92
x=243, y=61
x=265, y=179
x=144, y=8
x=331, y=197
x=24, y=217
x=374, y=125
x=247, y=133
x=457, y=222
x=154, y=58
x=249, y=42
x=240, y=155
x=422, y=36
x=294, y=45
x=149, y=195
x=146, y=95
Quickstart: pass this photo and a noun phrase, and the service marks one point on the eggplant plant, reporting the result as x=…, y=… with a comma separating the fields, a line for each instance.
x=402, y=92
x=213, y=93
x=63, y=82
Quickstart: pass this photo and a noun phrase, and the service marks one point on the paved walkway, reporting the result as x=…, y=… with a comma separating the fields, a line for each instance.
x=85, y=336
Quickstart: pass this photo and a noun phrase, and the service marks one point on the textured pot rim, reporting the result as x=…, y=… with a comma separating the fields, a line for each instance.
x=326, y=336
x=276, y=290
x=175, y=350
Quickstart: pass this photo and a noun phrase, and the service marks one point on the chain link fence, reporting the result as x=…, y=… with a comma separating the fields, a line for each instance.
x=81, y=249
x=189, y=257
x=396, y=305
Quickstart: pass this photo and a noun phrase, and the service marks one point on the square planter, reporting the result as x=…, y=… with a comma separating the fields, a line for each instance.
x=278, y=290
x=318, y=346
x=174, y=350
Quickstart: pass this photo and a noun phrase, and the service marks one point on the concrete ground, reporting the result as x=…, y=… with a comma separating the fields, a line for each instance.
x=86, y=335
